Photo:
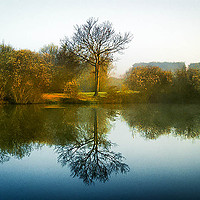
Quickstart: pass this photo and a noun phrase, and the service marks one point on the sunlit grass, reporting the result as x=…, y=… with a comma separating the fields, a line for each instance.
x=87, y=97
x=54, y=95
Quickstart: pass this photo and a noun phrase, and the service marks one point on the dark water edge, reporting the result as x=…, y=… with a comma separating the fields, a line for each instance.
x=139, y=151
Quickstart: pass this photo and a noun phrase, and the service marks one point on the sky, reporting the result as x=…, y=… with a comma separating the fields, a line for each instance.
x=163, y=30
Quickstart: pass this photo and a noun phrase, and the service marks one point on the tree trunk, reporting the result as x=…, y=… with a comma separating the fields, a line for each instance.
x=96, y=80
x=96, y=135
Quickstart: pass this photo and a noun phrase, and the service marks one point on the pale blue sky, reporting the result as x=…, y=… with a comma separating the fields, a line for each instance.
x=163, y=30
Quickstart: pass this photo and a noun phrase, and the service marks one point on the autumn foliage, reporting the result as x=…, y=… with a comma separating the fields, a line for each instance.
x=149, y=81
x=157, y=85
x=186, y=86
x=26, y=75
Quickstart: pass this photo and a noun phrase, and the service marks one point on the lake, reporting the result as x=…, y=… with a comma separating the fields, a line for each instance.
x=142, y=151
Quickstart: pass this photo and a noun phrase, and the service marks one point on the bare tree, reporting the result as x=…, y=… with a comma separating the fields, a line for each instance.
x=95, y=44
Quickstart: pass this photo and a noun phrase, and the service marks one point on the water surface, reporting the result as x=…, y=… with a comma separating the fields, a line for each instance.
x=100, y=152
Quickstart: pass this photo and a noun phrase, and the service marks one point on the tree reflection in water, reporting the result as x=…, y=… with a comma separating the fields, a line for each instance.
x=90, y=157
x=153, y=120
x=79, y=134
x=4, y=156
x=21, y=128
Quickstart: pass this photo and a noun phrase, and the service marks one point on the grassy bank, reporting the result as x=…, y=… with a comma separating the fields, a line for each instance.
x=89, y=98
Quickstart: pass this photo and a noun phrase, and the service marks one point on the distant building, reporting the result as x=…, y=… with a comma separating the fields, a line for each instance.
x=194, y=66
x=171, y=66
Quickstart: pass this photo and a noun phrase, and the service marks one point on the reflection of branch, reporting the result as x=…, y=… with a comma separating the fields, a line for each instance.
x=4, y=157
x=90, y=152
x=71, y=150
x=81, y=145
x=93, y=164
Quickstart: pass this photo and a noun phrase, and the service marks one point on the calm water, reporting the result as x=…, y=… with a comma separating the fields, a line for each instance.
x=100, y=152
